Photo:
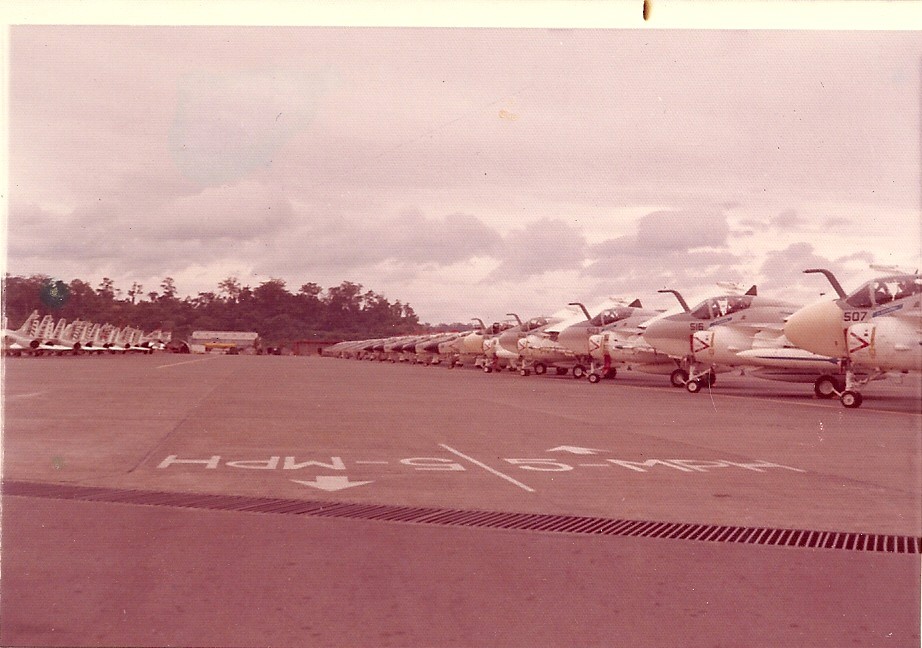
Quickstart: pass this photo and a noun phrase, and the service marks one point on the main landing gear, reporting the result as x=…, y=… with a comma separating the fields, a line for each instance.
x=678, y=378
x=527, y=367
x=828, y=386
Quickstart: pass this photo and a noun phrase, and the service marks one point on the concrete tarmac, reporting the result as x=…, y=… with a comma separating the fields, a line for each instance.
x=746, y=453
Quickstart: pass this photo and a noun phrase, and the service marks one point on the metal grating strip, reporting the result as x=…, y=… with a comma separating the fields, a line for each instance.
x=572, y=524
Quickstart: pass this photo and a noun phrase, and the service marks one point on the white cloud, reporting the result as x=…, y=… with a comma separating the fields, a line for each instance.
x=383, y=157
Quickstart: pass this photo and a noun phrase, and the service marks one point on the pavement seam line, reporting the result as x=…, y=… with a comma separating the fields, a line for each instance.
x=489, y=469
x=178, y=424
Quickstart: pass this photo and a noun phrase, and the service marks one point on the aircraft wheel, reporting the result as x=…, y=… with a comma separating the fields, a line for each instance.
x=540, y=369
x=825, y=387
x=594, y=378
x=579, y=371
x=487, y=369
x=694, y=386
x=678, y=378
x=524, y=372
x=611, y=373
x=561, y=371
x=851, y=399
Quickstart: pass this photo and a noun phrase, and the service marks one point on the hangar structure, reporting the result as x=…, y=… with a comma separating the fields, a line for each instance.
x=232, y=342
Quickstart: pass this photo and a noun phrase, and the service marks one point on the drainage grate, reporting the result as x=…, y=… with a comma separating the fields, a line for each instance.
x=483, y=519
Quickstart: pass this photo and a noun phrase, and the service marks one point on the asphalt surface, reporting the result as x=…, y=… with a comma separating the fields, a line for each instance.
x=747, y=453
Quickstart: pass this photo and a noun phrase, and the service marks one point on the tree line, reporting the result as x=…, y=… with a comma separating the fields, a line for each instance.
x=346, y=311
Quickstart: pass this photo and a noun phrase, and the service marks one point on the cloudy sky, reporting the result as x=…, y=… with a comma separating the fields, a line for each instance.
x=470, y=172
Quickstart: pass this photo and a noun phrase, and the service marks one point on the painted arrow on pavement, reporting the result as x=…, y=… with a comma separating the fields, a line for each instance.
x=575, y=450
x=331, y=483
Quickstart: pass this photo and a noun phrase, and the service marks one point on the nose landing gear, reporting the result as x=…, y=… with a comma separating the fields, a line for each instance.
x=849, y=393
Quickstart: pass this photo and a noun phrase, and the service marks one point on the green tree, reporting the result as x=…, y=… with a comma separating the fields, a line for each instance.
x=346, y=310
x=231, y=288
x=106, y=289
x=168, y=285
x=135, y=290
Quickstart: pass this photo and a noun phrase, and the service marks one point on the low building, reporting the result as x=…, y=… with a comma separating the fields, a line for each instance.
x=231, y=342
x=312, y=347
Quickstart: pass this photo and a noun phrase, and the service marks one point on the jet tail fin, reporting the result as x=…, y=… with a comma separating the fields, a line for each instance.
x=45, y=327
x=635, y=304
x=26, y=328
x=752, y=292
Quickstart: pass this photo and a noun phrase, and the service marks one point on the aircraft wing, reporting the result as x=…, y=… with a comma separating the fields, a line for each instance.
x=756, y=327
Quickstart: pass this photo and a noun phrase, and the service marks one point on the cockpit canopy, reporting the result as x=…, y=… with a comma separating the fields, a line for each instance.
x=498, y=327
x=533, y=323
x=611, y=315
x=721, y=306
x=885, y=289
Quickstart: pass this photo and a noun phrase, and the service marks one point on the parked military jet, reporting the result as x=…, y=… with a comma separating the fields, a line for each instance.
x=612, y=337
x=711, y=338
x=483, y=346
x=877, y=328
x=25, y=339
x=534, y=350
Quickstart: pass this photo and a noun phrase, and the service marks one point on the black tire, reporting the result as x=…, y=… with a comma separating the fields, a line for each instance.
x=562, y=371
x=594, y=378
x=825, y=387
x=694, y=386
x=524, y=372
x=540, y=369
x=678, y=378
x=611, y=373
x=579, y=371
x=487, y=369
x=851, y=399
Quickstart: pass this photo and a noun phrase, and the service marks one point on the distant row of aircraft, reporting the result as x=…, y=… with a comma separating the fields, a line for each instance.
x=39, y=337
x=837, y=344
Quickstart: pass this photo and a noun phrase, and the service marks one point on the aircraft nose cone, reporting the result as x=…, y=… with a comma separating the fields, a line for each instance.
x=574, y=339
x=509, y=341
x=655, y=332
x=818, y=328
x=473, y=343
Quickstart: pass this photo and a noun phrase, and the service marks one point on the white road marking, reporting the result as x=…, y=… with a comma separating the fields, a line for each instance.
x=332, y=483
x=575, y=450
x=488, y=469
x=176, y=364
x=29, y=395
